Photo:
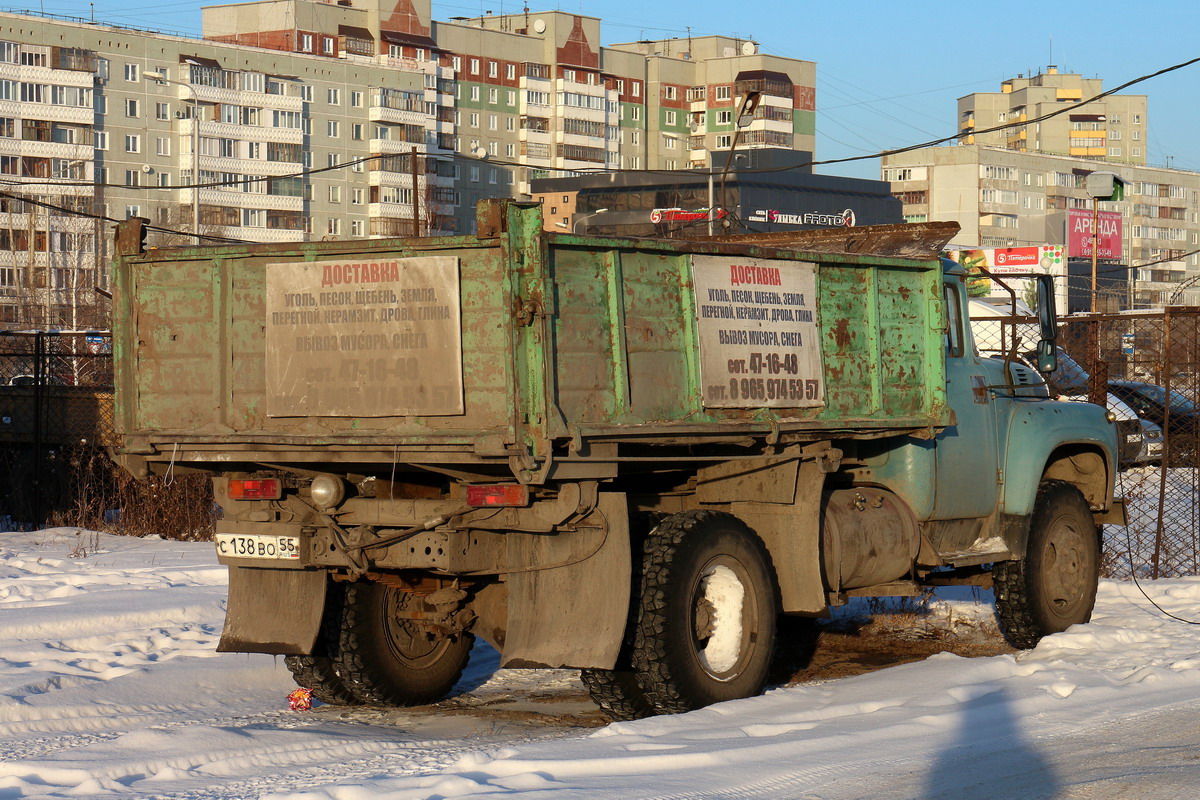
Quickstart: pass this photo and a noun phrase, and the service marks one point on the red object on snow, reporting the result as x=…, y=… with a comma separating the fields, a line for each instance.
x=300, y=700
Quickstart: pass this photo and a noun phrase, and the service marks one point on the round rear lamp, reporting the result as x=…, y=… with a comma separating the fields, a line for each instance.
x=327, y=491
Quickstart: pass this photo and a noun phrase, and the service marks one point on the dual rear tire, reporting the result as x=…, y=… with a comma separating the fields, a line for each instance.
x=367, y=654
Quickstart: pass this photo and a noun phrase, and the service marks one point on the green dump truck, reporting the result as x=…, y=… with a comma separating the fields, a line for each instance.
x=626, y=456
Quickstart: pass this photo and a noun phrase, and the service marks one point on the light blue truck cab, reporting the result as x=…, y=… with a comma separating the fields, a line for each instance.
x=1019, y=483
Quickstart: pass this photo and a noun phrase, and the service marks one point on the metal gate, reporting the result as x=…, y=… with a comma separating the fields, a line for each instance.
x=1134, y=362
x=56, y=407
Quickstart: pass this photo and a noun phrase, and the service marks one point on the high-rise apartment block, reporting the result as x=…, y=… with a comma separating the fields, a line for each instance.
x=1112, y=129
x=1021, y=186
x=307, y=119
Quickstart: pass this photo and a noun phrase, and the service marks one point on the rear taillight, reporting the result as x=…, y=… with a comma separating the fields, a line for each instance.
x=255, y=489
x=500, y=494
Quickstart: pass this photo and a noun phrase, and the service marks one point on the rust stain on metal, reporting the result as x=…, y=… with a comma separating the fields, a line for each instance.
x=842, y=333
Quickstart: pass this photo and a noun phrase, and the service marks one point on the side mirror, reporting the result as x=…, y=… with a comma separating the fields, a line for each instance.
x=1047, y=355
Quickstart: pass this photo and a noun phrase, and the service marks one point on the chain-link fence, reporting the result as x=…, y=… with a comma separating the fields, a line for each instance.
x=1145, y=367
x=56, y=407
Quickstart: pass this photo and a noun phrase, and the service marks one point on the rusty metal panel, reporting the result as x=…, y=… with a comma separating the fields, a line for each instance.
x=560, y=337
x=655, y=335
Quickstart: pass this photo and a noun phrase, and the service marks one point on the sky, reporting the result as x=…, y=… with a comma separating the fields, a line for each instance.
x=888, y=74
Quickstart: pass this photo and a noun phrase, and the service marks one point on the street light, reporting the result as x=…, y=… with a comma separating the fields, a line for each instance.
x=158, y=76
x=1101, y=186
x=585, y=218
x=745, y=116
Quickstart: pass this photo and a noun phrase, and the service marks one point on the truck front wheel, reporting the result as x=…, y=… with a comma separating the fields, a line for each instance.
x=387, y=660
x=706, y=618
x=1054, y=586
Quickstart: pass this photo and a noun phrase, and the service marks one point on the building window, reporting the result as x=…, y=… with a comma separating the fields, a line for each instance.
x=670, y=143
x=356, y=131
x=510, y=151
x=334, y=97
x=356, y=227
x=332, y=129
x=133, y=211
x=132, y=73
x=724, y=117
x=510, y=72
x=493, y=69
x=328, y=45
x=492, y=122
x=724, y=140
x=333, y=159
x=456, y=63
x=306, y=42
x=162, y=146
x=669, y=93
x=724, y=92
x=356, y=197
x=637, y=89
x=306, y=94
x=334, y=226
x=356, y=99
x=335, y=194
x=493, y=96
x=133, y=143
x=669, y=118
x=131, y=108
x=474, y=66
x=101, y=140
x=1136, y=136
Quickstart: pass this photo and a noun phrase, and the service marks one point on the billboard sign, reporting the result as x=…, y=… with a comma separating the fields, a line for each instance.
x=1079, y=234
x=1046, y=259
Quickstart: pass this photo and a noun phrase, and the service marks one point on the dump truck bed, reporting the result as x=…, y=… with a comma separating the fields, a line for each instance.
x=515, y=346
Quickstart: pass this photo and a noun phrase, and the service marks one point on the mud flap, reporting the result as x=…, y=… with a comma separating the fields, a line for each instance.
x=276, y=611
x=573, y=615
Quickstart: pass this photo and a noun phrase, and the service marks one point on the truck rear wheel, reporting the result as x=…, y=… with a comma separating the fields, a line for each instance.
x=386, y=660
x=706, y=619
x=1054, y=586
x=316, y=672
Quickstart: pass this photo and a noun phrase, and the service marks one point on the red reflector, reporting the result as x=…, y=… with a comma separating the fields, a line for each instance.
x=258, y=489
x=501, y=494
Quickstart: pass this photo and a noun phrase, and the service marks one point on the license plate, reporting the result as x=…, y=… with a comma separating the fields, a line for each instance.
x=257, y=545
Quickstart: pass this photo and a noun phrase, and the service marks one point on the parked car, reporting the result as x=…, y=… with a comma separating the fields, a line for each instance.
x=1152, y=444
x=1132, y=445
x=1150, y=402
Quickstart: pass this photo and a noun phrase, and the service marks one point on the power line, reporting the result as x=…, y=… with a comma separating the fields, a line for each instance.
x=595, y=170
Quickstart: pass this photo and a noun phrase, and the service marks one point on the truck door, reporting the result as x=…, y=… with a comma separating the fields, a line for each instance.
x=967, y=470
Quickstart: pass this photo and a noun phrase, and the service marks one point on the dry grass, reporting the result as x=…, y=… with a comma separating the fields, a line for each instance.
x=102, y=496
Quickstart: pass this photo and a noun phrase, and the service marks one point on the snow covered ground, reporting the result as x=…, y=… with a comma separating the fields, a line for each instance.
x=109, y=687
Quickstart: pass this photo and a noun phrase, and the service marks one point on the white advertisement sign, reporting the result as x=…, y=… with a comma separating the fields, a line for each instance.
x=757, y=324
x=364, y=338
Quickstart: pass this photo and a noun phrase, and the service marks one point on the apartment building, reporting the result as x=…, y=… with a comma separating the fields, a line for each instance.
x=1113, y=129
x=305, y=119
x=1009, y=198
